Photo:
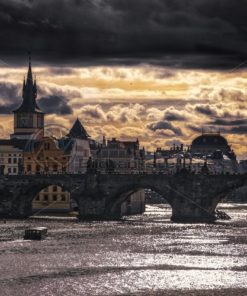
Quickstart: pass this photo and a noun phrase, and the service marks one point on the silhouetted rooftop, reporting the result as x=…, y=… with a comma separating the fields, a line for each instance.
x=78, y=131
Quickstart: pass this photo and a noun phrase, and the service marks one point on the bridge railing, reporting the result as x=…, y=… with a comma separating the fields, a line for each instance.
x=145, y=168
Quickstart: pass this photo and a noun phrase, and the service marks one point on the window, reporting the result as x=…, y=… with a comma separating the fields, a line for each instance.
x=47, y=146
x=45, y=197
x=14, y=160
x=9, y=160
x=37, y=197
x=29, y=168
x=54, y=168
x=54, y=189
x=63, y=197
x=14, y=170
x=54, y=197
x=9, y=170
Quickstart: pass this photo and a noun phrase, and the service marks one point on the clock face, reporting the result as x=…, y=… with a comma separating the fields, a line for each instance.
x=25, y=120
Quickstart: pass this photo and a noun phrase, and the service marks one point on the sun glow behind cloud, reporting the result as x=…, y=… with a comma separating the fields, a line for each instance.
x=156, y=104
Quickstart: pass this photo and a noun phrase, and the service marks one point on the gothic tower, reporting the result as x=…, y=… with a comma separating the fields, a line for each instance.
x=28, y=118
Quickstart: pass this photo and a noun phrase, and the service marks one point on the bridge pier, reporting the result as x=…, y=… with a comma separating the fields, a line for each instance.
x=191, y=213
x=91, y=209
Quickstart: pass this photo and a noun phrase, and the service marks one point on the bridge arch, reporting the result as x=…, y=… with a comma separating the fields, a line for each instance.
x=113, y=205
x=228, y=190
x=24, y=199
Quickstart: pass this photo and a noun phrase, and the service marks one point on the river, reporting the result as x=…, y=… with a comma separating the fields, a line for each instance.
x=141, y=255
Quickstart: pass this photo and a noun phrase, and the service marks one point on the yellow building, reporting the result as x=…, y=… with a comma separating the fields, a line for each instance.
x=44, y=157
x=52, y=199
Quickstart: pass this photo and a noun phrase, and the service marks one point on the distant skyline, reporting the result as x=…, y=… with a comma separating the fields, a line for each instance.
x=157, y=70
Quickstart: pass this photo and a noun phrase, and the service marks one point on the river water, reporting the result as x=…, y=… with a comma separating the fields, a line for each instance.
x=142, y=255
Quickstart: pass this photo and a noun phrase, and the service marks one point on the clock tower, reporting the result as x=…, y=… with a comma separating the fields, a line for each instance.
x=28, y=118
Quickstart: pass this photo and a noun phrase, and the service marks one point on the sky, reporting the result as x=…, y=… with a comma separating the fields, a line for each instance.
x=159, y=70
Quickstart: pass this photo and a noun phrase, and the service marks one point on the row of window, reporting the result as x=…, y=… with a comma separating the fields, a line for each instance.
x=14, y=160
x=54, y=197
x=12, y=170
x=54, y=189
x=2, y=154
x=38, y=168
x=47, y=158
x=11, y=160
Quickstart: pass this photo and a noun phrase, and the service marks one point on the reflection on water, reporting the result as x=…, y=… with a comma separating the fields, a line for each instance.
x=140, y=255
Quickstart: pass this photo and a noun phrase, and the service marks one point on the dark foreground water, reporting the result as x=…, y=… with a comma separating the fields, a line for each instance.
x=145, y=255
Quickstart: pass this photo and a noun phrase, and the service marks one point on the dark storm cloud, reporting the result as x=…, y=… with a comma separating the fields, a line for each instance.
x=9, y=92
x=178, y=33
x=164, y=125
x=9, y=97
x=55, y=104
x=194, y=128
x=7, y=109
x=205, y=110
x=224, y=122
x=174, y=116
x=240, y=130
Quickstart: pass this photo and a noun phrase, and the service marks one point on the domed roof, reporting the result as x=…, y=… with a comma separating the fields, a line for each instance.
x=210, y=140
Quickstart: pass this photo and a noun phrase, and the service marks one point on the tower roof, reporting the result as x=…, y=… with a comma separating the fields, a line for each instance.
x=78, y=131
x=29, y=94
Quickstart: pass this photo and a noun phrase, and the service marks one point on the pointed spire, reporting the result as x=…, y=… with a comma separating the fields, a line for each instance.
x=78, y=131
x=29, y=74
x=29, y=93
x=104, y=141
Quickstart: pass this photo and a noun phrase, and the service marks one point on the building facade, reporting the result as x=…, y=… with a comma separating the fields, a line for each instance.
x=122, y=157
x=11, y=157
x=44, y=156
x=52, y=199
x=119, y=156
x=78, y=149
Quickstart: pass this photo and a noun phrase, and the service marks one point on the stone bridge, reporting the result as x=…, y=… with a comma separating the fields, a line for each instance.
x=193, y=198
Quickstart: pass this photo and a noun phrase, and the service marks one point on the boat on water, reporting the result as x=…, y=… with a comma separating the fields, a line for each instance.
x=36, y=233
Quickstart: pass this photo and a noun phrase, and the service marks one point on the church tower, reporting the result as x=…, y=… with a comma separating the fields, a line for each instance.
x=28, y=118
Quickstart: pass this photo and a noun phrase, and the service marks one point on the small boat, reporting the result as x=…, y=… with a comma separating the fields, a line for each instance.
x=36, y=233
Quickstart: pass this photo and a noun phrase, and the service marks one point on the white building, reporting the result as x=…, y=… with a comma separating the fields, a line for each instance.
x=78, y=147
x=11, y=156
